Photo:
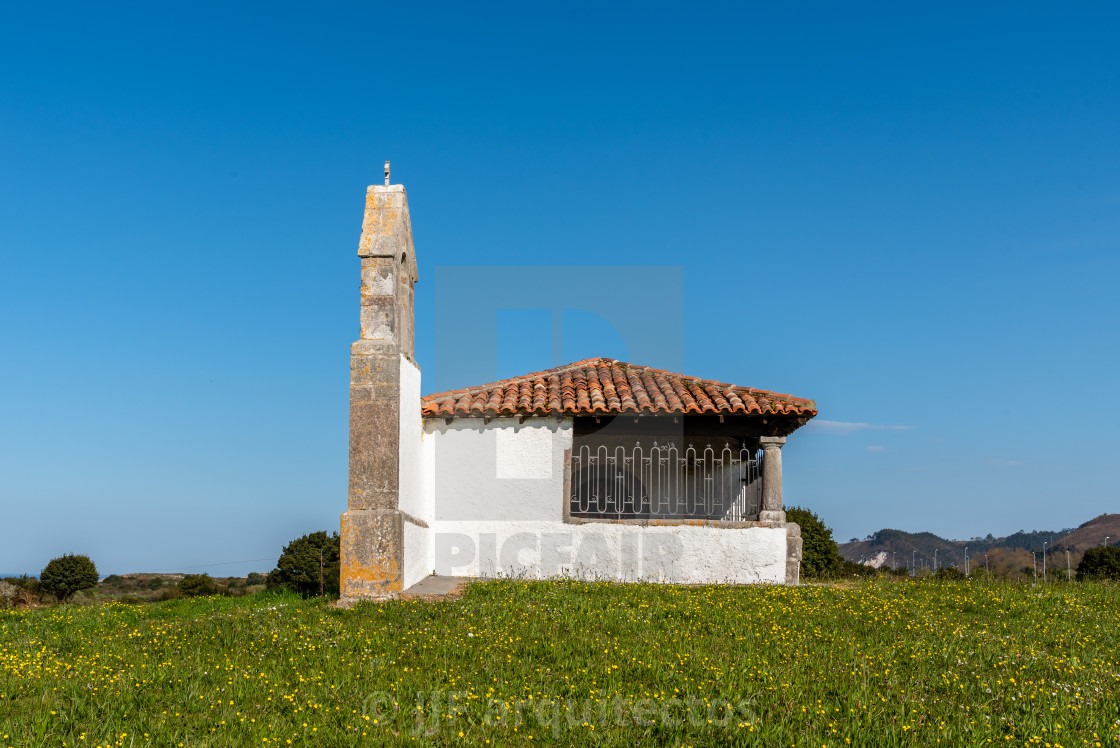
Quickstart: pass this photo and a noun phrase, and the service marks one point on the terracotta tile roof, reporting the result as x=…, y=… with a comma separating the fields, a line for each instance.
x=604, y=385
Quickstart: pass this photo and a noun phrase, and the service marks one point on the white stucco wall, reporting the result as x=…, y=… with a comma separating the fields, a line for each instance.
x=497, y=491
x=415, y=497
x=683, y=554
x=418, y=553
x=501, y=470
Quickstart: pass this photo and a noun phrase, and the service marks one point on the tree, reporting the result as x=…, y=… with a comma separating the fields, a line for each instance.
x=197, y=585
x=68, y=574
x=1102, y=562
x=820, y=556
x=255, y=577
x=298, y=566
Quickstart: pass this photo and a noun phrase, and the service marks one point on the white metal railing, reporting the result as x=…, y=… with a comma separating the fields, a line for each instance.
x=667, y=481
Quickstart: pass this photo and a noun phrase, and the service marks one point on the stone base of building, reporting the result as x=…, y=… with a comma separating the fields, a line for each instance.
x=346, y=603
x=372, y=554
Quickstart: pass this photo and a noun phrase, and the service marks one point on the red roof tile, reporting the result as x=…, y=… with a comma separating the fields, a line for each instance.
x=604, y=385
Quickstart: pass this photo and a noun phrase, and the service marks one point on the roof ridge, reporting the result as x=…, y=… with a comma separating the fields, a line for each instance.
x=607, y=385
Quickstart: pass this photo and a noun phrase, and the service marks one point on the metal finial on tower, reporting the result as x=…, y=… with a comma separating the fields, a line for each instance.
x=386, y=173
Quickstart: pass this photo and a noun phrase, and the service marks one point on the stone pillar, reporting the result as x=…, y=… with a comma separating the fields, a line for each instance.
x=372, y=529
x=772, y=508
x=793, y=553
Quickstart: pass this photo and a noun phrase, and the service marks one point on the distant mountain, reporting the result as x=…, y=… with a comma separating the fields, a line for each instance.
x=1093, y=533
x=901, y=548
x=898, y=547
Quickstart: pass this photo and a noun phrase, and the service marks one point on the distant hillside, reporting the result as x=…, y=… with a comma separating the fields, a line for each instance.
x=1093, y=533
x=890, y=547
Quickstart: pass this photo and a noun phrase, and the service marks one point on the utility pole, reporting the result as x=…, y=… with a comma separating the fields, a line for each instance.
x=913, y=563
x=986, y=563
x=1034, y=562
x=1044, y=562
x=320, y=572
x=966, y=560
x=935, y=550
x=1069, y=569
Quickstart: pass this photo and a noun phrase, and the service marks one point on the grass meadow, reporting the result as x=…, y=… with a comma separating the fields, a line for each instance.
x=892, y=663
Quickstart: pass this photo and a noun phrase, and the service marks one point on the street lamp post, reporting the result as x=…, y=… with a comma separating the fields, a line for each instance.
x=1044, y=562
x=935, y=558
x=966, y=560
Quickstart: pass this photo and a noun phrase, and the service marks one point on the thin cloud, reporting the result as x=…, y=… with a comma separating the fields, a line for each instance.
x=845, y=427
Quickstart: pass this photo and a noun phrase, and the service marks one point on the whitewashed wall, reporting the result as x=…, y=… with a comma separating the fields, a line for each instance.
x=683, y=554
x=497, y=491
x=501, y=470
x=415, y=495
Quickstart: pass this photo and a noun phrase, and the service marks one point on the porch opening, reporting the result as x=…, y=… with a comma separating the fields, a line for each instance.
x=677, y=478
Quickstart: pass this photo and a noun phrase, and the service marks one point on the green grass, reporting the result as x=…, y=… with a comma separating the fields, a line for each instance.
x=881, y=663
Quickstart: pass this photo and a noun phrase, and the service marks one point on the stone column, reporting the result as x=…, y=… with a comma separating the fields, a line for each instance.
x=793, y=553
x=772, y=508
x=372, y=529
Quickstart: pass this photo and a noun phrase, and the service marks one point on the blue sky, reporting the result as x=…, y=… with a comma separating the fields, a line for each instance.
x=908, y=214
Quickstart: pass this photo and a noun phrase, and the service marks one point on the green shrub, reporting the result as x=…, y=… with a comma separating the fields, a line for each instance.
x=24, y=582
x=856, y=569
x=112, y=580
x=154, y=583
x=949, y=574
x=68, y=574
x=132, y=599
x=298, y=566
x=196, y=585
x=1102, y=562
x=254, y=578
x=980, y=574
x=820, y=556
x=24, y=591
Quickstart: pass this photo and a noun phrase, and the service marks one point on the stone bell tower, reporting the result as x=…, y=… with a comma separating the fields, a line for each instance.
x=384, y=401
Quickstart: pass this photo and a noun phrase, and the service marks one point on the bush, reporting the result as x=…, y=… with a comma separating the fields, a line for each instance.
x=980, y=574
x=856, y=569
x=1102, y=562
x=298, y=566
x=21, y=591
x=68, y=574
x=113, y=579
x=254, y=578
x=949, y=574
x=8, y=592
x=197, y=585
x=24, y=582
x=820, y=557
x=154, y=583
